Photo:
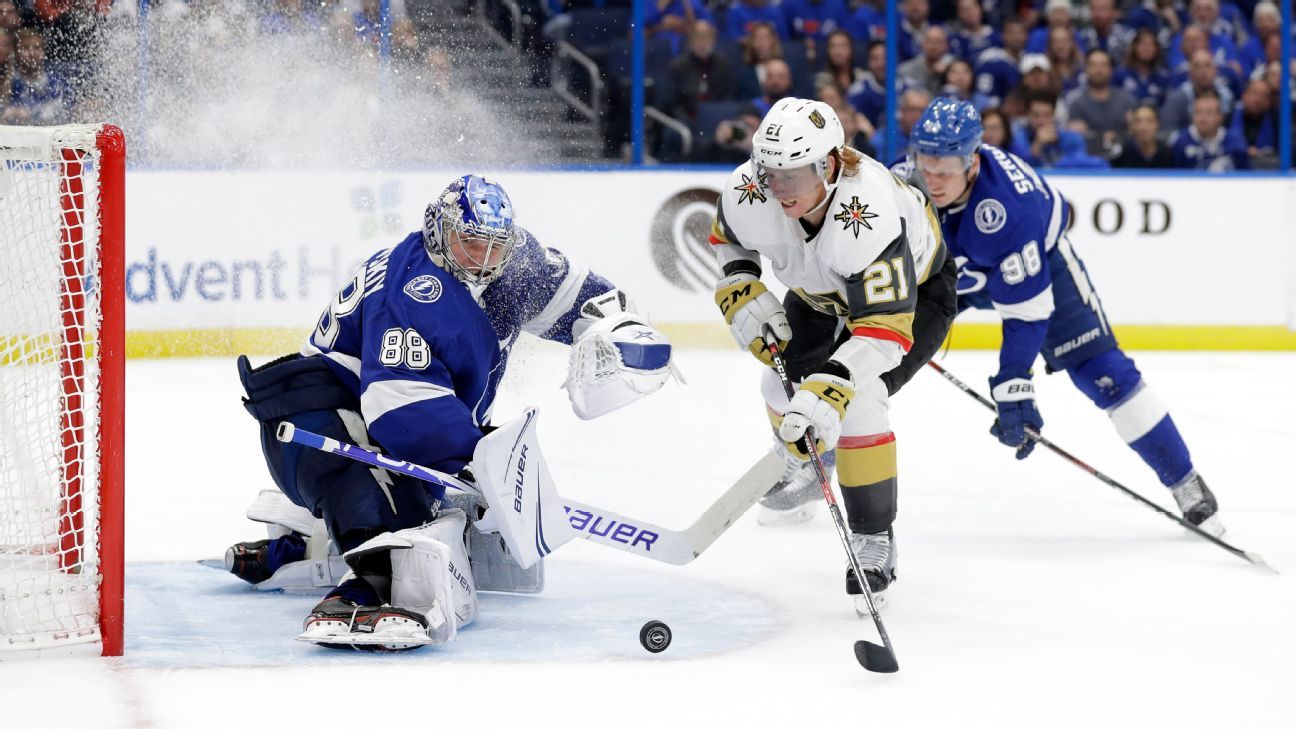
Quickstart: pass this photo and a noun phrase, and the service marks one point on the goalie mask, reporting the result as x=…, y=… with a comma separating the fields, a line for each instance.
x=469, y=231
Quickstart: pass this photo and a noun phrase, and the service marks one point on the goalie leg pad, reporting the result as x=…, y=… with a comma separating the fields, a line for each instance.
x=430, y=573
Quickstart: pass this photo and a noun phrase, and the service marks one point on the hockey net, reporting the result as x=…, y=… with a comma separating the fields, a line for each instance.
x=61, y=387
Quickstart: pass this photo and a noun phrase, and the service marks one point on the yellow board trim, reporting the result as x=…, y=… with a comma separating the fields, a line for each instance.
x=282, y=340
x=1167, y=338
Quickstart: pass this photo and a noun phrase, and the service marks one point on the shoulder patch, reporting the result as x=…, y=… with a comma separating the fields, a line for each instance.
x=854, y=215
x=424, y=289
x=753, y=191
x=990, y=216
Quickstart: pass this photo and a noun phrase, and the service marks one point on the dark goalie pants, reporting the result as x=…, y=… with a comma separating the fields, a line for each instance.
x=355, y=501
x=866, y=451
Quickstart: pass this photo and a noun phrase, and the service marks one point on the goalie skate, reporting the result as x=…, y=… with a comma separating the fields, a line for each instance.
x=795, y=497
x=337, y=623
x=876, y=554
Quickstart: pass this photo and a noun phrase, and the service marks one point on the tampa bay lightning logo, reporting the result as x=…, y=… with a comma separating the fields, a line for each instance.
x=425, y=289
x=990, y=216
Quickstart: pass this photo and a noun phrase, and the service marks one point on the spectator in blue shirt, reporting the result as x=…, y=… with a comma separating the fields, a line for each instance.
x=958, y=84
x=1256, y=120
x=1160, y=16
x=36, y=95
x=1066, y=58
x=1042, y=141
x=868, y=94
x=1202, y=79
x=997, y=68
x=1207, y=144
x=868, y=23
x=969, y=35
x=1218, y=35
x=913, y=21
x=1143, y=75
x=816, y=18
x=671, y=19
x=1057, y=14
x=744, y=14
x=1268, y=24
x=1104, y=31
x=913, y=102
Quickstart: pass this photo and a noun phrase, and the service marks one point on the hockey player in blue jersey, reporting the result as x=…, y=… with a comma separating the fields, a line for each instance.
x=406, y=359
x=1006, y=227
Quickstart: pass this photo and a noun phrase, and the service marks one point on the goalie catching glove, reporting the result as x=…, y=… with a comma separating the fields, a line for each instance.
x=616, y=356
x=748, y=307
x=821, y=404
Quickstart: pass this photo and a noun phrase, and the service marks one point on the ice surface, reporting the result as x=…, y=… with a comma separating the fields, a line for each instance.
x=1030, y=594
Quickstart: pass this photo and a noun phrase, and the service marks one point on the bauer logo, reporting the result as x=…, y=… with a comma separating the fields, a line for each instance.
x=425, y=289
x=990, y=216
x=602, y=527
x=678, y=237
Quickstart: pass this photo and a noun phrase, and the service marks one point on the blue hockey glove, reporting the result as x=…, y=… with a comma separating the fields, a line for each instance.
x=1015, y=402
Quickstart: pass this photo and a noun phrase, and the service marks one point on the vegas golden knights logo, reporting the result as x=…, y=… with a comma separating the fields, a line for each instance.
x=817, y=119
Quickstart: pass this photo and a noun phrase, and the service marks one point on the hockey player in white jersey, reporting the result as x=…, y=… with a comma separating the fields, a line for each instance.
x=871, y=297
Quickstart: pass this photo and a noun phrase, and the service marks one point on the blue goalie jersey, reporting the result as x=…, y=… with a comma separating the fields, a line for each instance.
x=1010, y=244
x=424, y=353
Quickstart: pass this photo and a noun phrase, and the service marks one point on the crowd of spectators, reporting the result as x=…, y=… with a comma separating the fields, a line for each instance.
x=53, y=52
x=1121, y=83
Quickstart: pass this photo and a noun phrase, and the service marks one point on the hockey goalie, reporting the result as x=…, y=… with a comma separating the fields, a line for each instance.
x=406, y=361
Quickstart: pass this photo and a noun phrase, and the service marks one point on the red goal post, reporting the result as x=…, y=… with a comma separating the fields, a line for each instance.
x=62, y=388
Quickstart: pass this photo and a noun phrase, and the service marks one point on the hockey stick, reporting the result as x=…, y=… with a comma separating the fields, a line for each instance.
x=874, y=657
x=592, y=523
x=1251, y=557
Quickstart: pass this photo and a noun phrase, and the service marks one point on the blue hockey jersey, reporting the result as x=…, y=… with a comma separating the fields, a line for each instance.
x=424, y=353
x=1004, y=240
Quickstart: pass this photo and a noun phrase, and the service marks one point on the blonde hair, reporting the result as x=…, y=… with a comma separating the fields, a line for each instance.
x=849, y=158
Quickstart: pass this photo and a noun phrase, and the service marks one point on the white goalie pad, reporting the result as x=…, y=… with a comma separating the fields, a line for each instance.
x=430, y=573
x=493, y=567
x=616, y=357
x=522, y=503
x=323, y=567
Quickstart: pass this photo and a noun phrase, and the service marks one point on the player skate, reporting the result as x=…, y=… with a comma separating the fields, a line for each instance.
x=876, y=554
x=1198, y=504
x=794, y=498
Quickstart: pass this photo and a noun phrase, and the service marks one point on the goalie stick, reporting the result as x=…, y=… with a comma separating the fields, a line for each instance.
x=1251, y=557
x=873, y=657
x=592, y=523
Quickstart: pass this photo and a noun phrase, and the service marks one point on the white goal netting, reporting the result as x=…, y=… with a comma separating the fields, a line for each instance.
x=49, y=425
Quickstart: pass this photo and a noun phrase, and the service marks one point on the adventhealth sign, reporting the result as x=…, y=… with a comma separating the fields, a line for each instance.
x=257, y=255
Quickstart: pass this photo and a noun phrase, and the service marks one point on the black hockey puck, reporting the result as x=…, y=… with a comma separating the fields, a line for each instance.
x=655, y=636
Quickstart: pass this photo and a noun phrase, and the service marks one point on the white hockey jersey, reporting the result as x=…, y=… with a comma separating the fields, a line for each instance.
x=879, y=242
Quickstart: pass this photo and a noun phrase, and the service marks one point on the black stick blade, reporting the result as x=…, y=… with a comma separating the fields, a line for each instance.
x=875, y=658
